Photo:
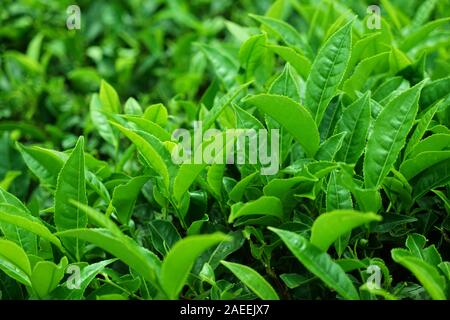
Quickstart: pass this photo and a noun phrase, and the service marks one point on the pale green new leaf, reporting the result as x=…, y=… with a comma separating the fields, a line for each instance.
x=14, y=262
x=266, y=205
x=330, y=226
x=253, y=280
x=71, y=186
x=180, y=259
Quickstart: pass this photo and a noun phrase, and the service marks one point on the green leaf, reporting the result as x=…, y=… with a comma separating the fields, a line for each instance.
x=188, y=172
x=389, y=135
x=355, y=121
x=151, y=156
x=9, y=178
x=266, y=205
x=445, y=268
x=180, y=259
x=379, y=292
x=286, y=32
x=186, y=176
x=319, y=263
x=71, y=185
x=286, y=84
x=330, y=226
x=44, y=163
x=109, y=98
x=363, y=71
x=87, y=274
x=156, y=113
x=428, y=276
x=98, y=112
x=435, y=142
x=14, y=262
x=420, y=129
x=28, y=222
x=434, y=91
x=435, y=176
x=251, y=53
x=337, y=197
x=215, y=179
x=164, y=235
x=126, y=249
x=132, y=107
x=330, y=147
x=328, y=71
x=46, y=276
x=96, y=218
x=300, y=63
x=124, y=197
x=226, y=67
x=10, y=207
x=9, y=198
x=252, y=280
x=412, y=167
x=292, y=116
x=418, y=36
x=148, y=126
x=423, y=13
x=226, y=247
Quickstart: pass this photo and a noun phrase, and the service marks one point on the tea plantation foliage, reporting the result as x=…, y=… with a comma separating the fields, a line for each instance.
x=93, y=207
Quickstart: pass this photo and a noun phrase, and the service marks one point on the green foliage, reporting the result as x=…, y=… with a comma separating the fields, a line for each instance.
x=93, y=205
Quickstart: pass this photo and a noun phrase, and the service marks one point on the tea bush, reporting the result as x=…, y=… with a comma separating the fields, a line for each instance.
x=93, y=205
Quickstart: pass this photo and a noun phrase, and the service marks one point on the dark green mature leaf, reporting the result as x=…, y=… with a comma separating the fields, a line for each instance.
x=122, y=247
x=435, y=176
x=428, y=276
x=389, y=134
x=412, y=167
x=292, y=116
x=328, y=71
x=355, y=121
x=319, y=263
x=87, y=274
